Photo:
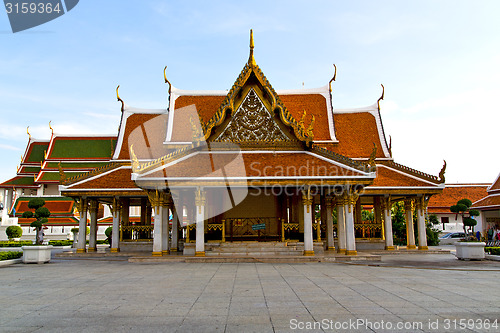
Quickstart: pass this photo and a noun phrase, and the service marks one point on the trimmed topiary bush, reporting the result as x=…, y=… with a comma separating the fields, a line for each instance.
x=14, y=231
x=10, y=255
x=41, y=215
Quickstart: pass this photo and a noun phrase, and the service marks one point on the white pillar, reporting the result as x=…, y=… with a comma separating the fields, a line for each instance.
x=158, y=231
x=200, y=200
x=340, y=225
x=82, y=227
x=410, y=234
x=165, y=229
x=307, y=201
x=94, y=206
x=422, y=232
x=349, y=224
x=175, y=224
x=386, y=210
x=329, y=224
x=115, y=235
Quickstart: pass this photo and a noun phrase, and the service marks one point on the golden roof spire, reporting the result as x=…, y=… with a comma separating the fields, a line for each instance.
x=251, y=59
x=28, y=132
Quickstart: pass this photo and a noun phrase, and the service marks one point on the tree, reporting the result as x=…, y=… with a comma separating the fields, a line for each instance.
x=40, y=214
x=463, y=208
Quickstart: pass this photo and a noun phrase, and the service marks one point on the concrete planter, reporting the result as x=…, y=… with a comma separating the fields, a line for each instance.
x=37, y=254
x=470, y=250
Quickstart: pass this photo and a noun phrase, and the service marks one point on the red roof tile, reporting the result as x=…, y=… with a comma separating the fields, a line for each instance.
x=441, y=203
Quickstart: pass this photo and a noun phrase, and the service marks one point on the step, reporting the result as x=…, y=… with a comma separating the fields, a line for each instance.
x=254, y=254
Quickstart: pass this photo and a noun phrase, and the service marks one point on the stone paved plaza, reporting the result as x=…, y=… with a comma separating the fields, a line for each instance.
x=113, y=295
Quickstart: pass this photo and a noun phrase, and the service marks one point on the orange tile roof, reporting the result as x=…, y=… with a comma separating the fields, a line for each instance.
x=313, y=104
x=119, y=178
x=441, y=203
x=495, y=187
x=490, y=202
x=133, y=122
x=356, y=133
x=255, y=165
x=53, y=221
x=55, y=207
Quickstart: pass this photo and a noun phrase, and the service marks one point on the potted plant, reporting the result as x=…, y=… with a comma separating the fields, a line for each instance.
x=14, y=233
x=38, y=253
x=470, y=247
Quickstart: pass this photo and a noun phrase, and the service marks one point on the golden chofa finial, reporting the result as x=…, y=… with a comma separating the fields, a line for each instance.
x=119, y=99
x=251, y=59
x=381, y=97
x=166, y=80
x=333, y=78
x=28, y=131
x=50, y=126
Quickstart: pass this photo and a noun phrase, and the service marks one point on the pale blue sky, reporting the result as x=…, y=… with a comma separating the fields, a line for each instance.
x=439, y=62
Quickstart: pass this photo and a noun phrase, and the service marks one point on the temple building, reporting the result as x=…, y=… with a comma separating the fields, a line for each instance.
x=489, y=207
x=440, y=205
x=283, y=171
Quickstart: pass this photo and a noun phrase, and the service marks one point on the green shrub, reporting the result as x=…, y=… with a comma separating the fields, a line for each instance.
x=14, y=231
x=492, y=250
x=108, y=231
x=15, y=244
x=74, y=229
x=10, y=255
x=60, y=242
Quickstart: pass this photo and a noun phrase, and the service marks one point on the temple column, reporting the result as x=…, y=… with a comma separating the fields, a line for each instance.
x=340, y=224
x=329, y=225
x=175, y=223
x=156, y=199
x=166, y=205
x=115, y=233
x=422, y=230
x=93, y=208
x=143, y=211
x=200, y=201
x=352, y=198
x=307, y=201
x=410, y=234
x=386, y=211
x=82, y=226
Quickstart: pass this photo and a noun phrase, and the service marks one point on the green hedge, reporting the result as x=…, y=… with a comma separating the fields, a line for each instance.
x=60, y=242
x=492, y=250
x=15, y=244
x=10, y=255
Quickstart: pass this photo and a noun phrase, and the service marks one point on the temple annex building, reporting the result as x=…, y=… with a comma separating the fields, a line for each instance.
x=283, y=171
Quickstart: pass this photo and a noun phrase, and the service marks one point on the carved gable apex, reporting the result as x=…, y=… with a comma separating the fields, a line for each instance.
x=252, y=78
x=252, y=122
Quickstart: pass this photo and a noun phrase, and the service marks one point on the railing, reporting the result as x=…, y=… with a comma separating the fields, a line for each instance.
x=221, y=227
x=210, y=227
x=368, y=230
x=290, y=227
x=317, y=227
x=136, y=233
x=189, y=228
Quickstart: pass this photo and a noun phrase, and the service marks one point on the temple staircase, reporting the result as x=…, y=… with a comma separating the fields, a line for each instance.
x=259, y=249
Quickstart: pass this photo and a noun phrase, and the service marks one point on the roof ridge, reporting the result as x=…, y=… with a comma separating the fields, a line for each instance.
x=339, y=158
x=415, y=172
x=93, y=172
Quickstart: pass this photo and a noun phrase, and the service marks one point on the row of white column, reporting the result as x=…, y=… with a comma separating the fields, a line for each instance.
x=161, y=239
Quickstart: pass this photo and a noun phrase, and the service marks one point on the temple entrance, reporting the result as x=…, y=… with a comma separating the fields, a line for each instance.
x=259, y=229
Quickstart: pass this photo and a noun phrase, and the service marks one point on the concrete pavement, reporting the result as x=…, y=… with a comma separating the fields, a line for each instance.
x=113, y=295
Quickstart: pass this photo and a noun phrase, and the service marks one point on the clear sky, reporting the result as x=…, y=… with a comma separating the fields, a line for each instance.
x=438, y=60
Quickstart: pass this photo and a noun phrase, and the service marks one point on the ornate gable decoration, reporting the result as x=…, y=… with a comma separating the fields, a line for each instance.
x=252, y=76
x=252, y=122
